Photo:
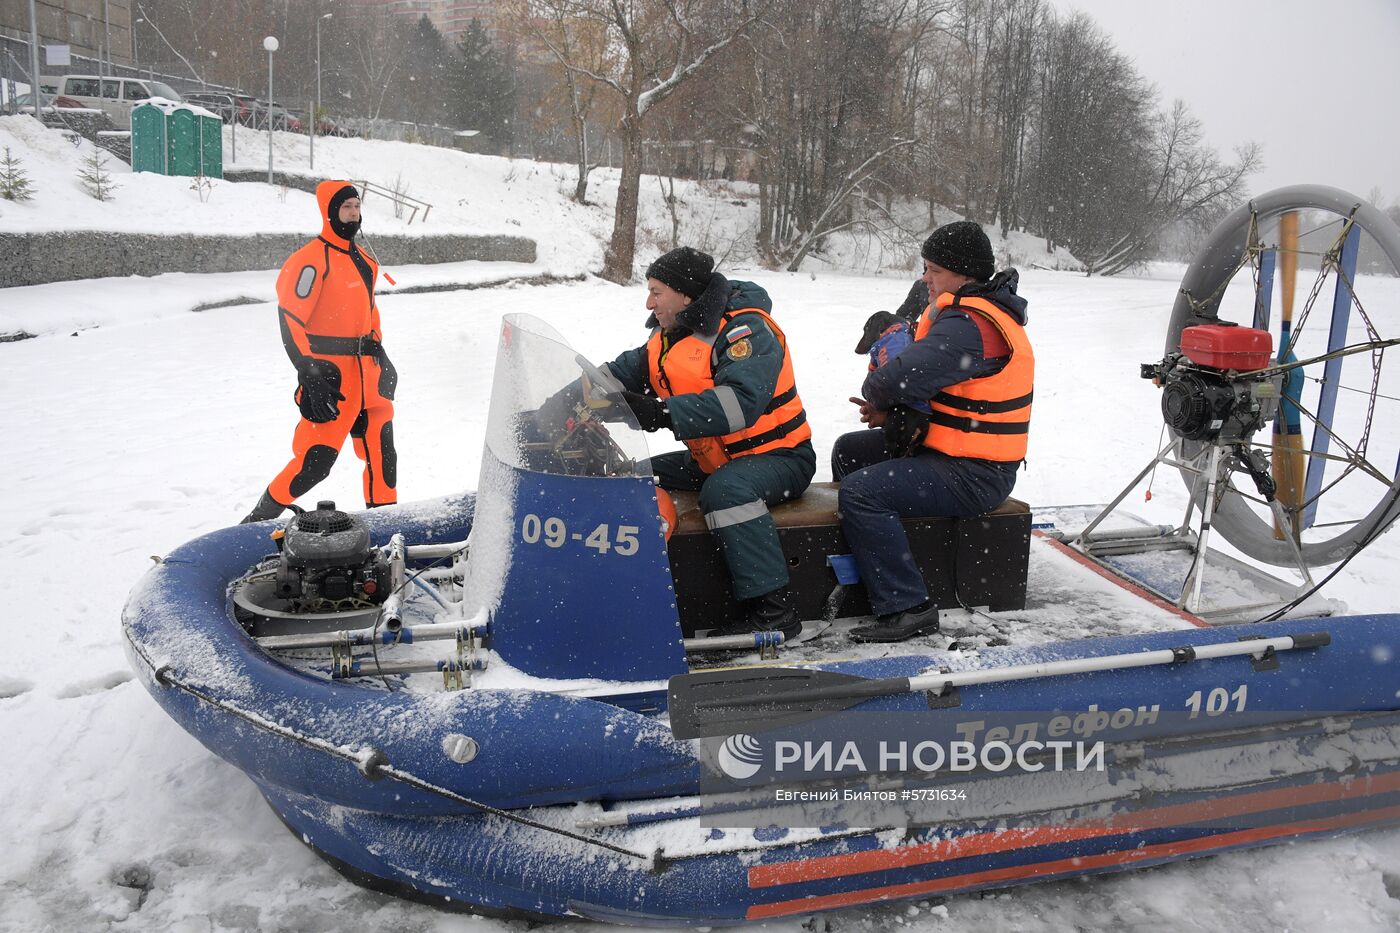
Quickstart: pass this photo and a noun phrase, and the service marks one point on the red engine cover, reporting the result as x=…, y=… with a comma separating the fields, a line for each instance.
x=1222, y=346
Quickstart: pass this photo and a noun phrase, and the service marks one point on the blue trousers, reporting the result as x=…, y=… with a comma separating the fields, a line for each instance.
x=735, y=500
x=877, y=492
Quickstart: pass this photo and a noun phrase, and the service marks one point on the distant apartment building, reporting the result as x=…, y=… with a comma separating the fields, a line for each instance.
x=97, y=29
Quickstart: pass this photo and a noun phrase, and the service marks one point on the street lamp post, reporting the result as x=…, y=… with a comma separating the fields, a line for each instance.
x=34, y=59
x=135, y=61
x=270, y=43
x=316, y=108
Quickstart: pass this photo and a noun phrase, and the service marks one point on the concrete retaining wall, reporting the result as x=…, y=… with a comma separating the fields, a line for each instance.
x=37, y=258
x=305, y=183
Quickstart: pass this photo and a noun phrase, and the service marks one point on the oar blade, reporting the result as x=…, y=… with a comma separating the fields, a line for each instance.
x=714, y=703
x=1287, y=461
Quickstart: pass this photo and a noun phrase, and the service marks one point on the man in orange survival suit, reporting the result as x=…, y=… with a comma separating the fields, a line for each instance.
x=330, y=329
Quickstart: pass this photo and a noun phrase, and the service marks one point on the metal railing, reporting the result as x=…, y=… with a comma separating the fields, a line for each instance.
x=399, y=199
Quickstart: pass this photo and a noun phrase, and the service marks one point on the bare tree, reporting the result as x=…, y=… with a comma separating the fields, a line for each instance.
x=220, y=43
x=377, y=53
x=581, y=48
x=828, y=101
x=1193, y=186
x=659, y=44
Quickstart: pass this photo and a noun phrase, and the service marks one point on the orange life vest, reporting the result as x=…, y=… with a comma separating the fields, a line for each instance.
x=687, y=366
x=988, y=418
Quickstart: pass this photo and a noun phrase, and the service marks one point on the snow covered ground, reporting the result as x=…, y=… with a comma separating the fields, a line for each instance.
x=147, y=427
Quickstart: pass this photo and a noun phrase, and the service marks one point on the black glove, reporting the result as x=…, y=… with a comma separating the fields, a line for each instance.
x=650, y=411
x=319, y=390
x=557, y=409
x=905, y=430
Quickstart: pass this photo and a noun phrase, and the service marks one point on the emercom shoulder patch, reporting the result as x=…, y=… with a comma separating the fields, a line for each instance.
x=739, y=350
x=306, y=281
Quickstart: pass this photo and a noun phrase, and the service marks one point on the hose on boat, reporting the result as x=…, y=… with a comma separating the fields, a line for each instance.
x=372, y=762
x=379, y=618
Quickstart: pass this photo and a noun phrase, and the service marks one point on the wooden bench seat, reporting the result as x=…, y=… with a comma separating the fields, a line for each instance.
x=816, y=506
x=982, y=559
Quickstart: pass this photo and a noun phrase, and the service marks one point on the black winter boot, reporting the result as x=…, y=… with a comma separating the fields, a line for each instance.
x=771, y=613
x=766, y=613
x=900, y=626
x=266, y=508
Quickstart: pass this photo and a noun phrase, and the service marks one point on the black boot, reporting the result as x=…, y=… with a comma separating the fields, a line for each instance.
x=771, y=613
x=900, y=626
x=266, y=508
x=767, y=613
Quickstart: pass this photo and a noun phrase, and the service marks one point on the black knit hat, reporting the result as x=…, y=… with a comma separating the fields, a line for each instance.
x=684, y=269
x=962, y=247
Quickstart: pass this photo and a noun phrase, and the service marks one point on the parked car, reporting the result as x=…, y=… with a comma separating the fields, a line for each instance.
x=25, y=101
x=284, y=119
x=253, y=112
x=224, y=105
x=114, y=96
x=328, y=127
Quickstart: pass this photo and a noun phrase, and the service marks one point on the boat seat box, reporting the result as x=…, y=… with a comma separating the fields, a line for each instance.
x=985, y=557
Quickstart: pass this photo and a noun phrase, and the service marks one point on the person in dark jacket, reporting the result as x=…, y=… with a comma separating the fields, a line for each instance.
x=717, y=373
x=345, y=383
x=914, y=303
x=972, y=366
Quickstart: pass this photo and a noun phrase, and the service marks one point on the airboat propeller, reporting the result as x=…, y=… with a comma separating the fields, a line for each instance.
x=1273, y=422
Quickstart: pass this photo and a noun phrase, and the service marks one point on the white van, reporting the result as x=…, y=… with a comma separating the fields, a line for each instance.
x=114, y=96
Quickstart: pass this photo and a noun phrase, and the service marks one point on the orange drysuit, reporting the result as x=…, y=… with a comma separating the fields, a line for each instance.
x=330, y=328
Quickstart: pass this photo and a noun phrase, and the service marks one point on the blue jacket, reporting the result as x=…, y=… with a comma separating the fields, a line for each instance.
x=949, y=353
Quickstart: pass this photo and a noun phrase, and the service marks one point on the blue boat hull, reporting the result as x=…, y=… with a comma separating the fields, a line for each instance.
x=482, y=864
x=332, y=758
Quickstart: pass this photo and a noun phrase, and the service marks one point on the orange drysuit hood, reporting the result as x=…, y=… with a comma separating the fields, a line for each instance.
x=330, y=195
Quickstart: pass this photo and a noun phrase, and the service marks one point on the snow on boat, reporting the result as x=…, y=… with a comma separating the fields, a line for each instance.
x=505, y=702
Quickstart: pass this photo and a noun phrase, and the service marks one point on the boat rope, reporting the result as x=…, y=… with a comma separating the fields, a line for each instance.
x=372, y=762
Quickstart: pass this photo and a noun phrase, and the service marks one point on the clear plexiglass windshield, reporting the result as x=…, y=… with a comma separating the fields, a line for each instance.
x=549, y=411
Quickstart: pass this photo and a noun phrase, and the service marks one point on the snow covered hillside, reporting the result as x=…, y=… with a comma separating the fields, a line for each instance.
x=150, y=427
x=468, y=193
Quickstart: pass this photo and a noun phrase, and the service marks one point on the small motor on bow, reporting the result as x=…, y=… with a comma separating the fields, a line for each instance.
x=1213, y=390
x=327, y=563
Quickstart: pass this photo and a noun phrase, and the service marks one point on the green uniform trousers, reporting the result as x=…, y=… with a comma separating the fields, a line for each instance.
x=735, y=500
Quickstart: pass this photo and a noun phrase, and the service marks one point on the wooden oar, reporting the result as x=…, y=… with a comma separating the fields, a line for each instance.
x=713, y=703
x=1287, y=463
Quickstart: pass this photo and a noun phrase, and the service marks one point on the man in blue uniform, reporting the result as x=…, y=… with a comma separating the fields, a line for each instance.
x=954, y=407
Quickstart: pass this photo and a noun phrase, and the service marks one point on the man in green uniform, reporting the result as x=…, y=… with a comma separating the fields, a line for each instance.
x=718, y=374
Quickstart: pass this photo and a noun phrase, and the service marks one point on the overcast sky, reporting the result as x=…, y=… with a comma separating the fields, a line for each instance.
x=1315, y=82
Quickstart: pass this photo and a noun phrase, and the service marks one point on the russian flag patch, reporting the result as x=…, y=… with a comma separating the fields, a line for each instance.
x=738, y=333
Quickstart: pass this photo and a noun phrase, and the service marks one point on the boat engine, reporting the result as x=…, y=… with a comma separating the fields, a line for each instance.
x=1213, y=389
x=328, y=565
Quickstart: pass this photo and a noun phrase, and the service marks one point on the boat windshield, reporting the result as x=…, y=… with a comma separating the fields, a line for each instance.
x=549, y=413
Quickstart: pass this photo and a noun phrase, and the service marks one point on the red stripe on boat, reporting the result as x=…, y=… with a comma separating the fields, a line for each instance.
x=1135, y=588
x=836, y=866
x=1066, y=866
